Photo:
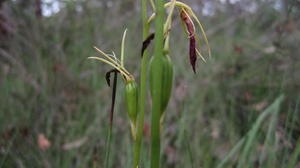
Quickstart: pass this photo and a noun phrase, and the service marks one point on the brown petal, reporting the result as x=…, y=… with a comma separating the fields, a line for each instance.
x=191, y=31
x=193, y=56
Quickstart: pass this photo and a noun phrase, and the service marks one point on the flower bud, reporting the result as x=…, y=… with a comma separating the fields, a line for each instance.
x=131, y=96
x=167, y=80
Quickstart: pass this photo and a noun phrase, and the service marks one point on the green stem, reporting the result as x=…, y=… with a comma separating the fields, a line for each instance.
x=143, y=91
x=157, y=75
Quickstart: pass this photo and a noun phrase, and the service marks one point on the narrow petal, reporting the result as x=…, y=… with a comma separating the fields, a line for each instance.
x=193, y=56
x=191, y=31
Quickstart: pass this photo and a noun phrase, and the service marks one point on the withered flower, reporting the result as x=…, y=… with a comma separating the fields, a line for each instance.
x=191, y=32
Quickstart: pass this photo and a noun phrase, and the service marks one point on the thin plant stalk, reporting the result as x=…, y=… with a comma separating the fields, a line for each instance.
x=143, y=91
x=108, y=145
x=111, y=116
x=157, y=75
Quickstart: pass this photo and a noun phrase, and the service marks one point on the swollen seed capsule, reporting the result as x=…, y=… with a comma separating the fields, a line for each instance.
x=131, y=96
x=167, y=80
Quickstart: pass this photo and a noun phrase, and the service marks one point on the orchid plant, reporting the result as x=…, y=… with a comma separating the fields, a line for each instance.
x=160, y=69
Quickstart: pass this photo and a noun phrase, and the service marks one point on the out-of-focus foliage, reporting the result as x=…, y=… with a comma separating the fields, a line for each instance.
x=54, y=102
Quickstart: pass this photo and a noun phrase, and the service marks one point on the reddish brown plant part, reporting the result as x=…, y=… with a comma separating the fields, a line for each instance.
x=193, y=57
x=191, y=32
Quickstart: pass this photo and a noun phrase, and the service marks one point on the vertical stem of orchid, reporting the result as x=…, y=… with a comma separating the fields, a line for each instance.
x=157, y=75
x=143, y=91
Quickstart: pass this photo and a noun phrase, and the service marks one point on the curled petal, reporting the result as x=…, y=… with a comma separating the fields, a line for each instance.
x=147, y=42
x=107, y=75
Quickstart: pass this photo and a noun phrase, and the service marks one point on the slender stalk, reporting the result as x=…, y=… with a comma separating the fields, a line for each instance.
x=111, y=116
x=157, y=75
x=108, y=144
x=143, y=91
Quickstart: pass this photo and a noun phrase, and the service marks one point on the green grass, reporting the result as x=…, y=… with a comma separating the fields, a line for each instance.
x=230, y=114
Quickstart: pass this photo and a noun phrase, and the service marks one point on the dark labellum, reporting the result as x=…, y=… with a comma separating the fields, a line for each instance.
x=147, y=42
x=113, y=97
x=193, y=56
x=107, y=75
x=191, y=31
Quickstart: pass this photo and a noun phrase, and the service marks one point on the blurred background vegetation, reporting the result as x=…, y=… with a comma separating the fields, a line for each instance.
x=241, y=109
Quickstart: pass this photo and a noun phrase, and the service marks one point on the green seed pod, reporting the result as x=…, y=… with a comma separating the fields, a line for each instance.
x=167, y=80
x=131, y=96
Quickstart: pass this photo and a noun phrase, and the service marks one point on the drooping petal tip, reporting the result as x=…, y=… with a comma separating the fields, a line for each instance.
x=107, y=76
x=193, y=56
